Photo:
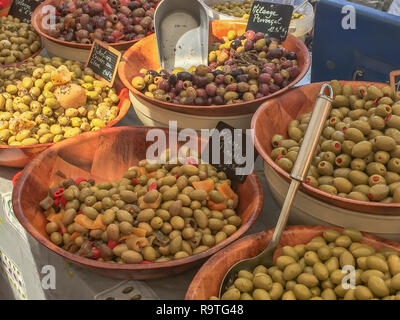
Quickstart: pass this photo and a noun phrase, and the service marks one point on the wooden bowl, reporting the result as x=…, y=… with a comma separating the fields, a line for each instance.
x=105, y=155
x=65, y=49
x=208, y=279
x=19, y=156
x=144, y=54
x=274, y=116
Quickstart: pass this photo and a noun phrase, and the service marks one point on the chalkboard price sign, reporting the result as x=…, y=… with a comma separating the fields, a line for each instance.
x=104, y=60
x=395, y=80
x=23, y=9
x=231, y=148
x=272, y=19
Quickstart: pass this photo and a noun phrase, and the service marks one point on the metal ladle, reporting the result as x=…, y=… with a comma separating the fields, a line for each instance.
x=320, y=112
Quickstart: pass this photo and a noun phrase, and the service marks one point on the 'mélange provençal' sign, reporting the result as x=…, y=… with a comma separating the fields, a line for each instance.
x=270, y=18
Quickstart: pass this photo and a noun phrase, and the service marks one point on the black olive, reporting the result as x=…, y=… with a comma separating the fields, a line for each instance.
x=236, y=44
x=237, y=72
x=268, y=39
x=173, y=79
x=133, y=5
x=153, y=73
x=291, y=55
x=184, y=76
x=217, y=72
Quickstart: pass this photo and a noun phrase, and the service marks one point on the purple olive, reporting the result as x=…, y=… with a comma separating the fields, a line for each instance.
x=287, y=64
x=278, y=78
x=237, y=72
x=249, y=45
x=294, y=71
x=258, y=95
x=236, y=44
x=133, y=5
x=218, y=100
x=274, y=53
x=199, y=101
x=264, y=78
x=179, y=86
x=231, y=87
x=242, y=78
x=201, y=93
x=258, y=36
x=129, y=28
x=211, y=89
x=273, y=88
x=164, y=85
x=219, y=79
x=263, y=88
x=268, y=70
x=173, y=79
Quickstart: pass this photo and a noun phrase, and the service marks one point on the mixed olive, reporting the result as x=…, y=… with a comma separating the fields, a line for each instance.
x=154, y=213
x=241, y=68
x=358, y=156
x=241, y=9
x=18, y=40
x=110, y=21
x=47, y=100
x=317, y=271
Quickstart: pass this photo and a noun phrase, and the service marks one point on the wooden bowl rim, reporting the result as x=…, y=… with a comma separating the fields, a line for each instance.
x=16, y=196
x=215, y=259
x=36, y=15
x=124, y=74
x=124, y=106
x=259, y=145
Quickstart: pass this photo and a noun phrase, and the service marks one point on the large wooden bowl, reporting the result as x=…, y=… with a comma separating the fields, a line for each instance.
x=65, y=49
x=208, y=279
x=19, y=156
x=144, y=54
x=105, y=155
x=274, y=116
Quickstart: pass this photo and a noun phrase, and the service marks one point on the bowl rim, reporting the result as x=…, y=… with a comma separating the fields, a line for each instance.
x=216, y=258
x=124, y=106
x=259, y=145
x=25, y=174
x=83, y=46
x=124, y=74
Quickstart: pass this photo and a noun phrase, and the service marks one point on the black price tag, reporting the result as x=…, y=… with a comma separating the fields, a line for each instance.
x=395, y=80
x=104, y=60
x=236, y=152
x=23, y=9
x=272, y=19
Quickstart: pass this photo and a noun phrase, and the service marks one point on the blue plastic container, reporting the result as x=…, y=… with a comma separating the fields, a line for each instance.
x=373, y=47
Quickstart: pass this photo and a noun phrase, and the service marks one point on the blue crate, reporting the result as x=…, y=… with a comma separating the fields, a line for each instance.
x=372, y=47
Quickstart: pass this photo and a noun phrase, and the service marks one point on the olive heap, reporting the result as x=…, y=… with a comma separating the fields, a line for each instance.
x=241, y=9
x=154, y=213
x=18, y=40
x=358, y=156
x=316, y=271
x=242, y=68
x=109, y=21
x=47, y=100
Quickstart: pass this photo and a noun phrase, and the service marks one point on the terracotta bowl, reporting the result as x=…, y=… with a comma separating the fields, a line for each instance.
x=207, y=281
x=105, y=155
x=274, y=116
x=19, y=156
x=144, y=54
x=76, y=51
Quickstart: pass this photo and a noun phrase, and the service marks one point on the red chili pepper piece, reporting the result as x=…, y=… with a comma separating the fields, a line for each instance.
x=375, y=179
x=79, y=180
x=250, y=34
x=362, y=93
x=307, y=181
x=145, y=262
x=280, y=156
x=107, y=9
x=112, y=244
x=339, y=160
x=370, y=196
x=337, y=146
x=79, y=212
x=344, y=129
x=56, y=202
x=60, y=231
x=191, y=161
x=96, y=253
x=153, y=186
x=388, y=118
x=135, y=181
x=58, y=193
x=375, y=101
x=63, y=202
x=176, y=176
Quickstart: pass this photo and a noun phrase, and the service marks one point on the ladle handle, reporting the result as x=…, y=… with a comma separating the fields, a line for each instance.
x=322, y=108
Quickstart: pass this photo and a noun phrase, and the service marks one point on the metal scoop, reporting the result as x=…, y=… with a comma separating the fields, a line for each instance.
x=181, y=28
x=320, y=112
